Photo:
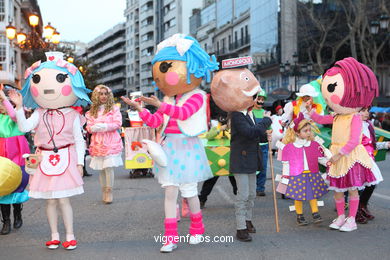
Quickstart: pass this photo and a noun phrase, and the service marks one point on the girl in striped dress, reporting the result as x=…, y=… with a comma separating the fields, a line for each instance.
x=178, y=68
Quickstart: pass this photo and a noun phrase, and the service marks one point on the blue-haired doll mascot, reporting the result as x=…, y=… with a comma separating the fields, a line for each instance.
x=179, y=66
x=52, y=88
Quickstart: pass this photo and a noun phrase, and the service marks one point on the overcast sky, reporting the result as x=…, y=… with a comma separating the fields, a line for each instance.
x=82, y=20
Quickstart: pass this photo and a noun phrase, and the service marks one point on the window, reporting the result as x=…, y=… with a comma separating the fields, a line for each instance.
x=230, y=42
x=2, y=10
x=242, y=36
x=147, y=52
x=3, y=53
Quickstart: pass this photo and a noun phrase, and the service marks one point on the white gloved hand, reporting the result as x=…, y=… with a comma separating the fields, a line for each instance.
x=99, y=127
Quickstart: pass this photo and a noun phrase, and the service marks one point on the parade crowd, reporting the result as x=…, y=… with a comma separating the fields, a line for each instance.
x=56, y=93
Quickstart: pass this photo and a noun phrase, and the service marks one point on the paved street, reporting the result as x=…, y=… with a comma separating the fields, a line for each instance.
x=125, y=229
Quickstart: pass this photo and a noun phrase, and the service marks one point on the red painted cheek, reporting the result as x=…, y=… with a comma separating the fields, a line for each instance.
x=335, y=99
x=66, y=90
x=34, y=91
x=172, y=78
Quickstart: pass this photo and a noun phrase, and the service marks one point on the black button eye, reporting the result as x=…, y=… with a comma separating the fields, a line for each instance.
x=36, y=78
x=164, y=66
x=61, y=77
x=332, y=87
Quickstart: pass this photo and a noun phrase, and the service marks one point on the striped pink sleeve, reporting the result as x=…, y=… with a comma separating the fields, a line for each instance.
x=190, y=107
x=152, y=120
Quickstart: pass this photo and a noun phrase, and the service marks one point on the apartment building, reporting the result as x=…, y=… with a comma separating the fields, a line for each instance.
x=148, y=22
x=13, y=62
x=108, y=53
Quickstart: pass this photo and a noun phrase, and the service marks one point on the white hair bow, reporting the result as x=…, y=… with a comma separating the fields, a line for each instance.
x=177, y=40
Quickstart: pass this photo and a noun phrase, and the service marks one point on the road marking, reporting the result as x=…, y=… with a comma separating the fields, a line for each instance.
x=381, y=196
x=224, y=195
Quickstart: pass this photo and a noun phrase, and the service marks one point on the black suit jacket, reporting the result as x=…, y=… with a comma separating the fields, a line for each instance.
x=245, y=153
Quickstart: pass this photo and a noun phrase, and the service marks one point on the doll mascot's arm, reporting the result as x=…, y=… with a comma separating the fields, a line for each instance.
x=354, y=139
x=320, y=119
x=26, y=125
x=190, y=107
x=79, y=141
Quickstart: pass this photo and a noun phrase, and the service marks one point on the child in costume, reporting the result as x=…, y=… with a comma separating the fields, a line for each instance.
x=300, y=157
x=222, y=130
x=13, y=145
x=103, y=121
x=369, y=142
x=347, y=87
x=178, y=68
x=51, y=88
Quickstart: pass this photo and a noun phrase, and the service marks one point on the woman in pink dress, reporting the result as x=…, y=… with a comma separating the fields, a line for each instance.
x=103, y=122
x=51, y=88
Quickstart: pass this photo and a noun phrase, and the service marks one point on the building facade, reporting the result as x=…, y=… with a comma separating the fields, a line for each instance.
x=148, y=22
x=108, y=53
x=13, y=61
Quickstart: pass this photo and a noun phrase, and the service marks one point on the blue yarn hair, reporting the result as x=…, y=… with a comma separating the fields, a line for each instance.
x=199, y=63
x=78, y=86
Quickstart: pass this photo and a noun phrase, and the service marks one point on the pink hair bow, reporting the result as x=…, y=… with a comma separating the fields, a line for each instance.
x=64, y=64
x=29, y=70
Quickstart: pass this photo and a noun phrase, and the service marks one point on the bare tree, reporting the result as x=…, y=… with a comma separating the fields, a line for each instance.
x=341, y=29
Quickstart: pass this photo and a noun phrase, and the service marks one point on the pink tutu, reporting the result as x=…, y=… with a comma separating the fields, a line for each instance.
x=357, y=178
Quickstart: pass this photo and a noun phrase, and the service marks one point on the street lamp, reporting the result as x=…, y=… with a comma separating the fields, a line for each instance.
x=382, y=24
x=33, y=40
x=296, y=70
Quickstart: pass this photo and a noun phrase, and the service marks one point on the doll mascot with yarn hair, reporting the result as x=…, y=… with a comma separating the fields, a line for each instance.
x=179, y=66
x=347, y=87
x=52, y=88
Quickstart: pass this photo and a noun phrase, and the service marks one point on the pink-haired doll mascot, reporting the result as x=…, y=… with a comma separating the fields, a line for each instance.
x=347, y=87
x=51, y=88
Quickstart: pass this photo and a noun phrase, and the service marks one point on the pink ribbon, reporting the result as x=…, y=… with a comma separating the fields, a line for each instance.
x=29, y=70
x=64, y=64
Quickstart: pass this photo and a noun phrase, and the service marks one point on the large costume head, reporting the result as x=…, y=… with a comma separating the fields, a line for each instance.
x=234, y=89
x=54, y=84
x=180, y=64
x=348, y=86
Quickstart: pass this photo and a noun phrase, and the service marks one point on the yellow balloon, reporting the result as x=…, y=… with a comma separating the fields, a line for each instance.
x=10, y=176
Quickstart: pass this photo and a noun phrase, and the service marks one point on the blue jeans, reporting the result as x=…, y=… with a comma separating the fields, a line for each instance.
x=262, y=176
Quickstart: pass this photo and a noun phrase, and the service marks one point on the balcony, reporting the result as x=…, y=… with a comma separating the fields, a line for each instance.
x=240, y=43
x=112, y=66
x=111, y=77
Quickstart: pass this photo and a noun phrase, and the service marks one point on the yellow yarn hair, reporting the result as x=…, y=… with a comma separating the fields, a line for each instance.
x=290, y=135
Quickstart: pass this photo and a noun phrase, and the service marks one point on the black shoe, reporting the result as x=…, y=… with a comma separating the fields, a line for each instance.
x=18, y=222
x=235, y=191
x=260, y=193
x=360, y=218
x=250, y=227
x=6, y=227
x=301, y=221
x=202, y=204
x=316, y=217
x=243, y=235
x=86, y=173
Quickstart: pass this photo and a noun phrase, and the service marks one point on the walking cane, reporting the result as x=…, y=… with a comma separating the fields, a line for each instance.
x=271, y=162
